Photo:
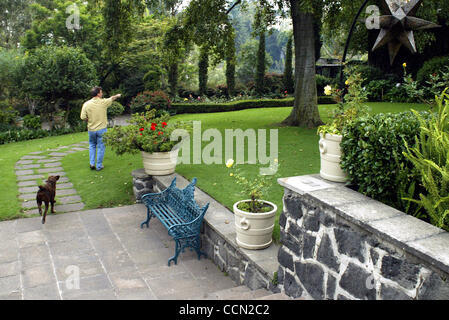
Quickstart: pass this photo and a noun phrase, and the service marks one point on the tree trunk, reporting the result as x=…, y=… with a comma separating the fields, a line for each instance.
x=305, y=110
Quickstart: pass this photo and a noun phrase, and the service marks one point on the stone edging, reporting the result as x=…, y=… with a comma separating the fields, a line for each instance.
x=39, y=165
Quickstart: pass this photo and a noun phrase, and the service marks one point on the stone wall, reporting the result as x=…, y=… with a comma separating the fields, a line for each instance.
x=253, y=268
x=339, y=244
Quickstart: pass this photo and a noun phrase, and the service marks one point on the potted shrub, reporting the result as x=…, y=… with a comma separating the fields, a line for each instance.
x=331, y=133
x=253, y=217
x=150, y=136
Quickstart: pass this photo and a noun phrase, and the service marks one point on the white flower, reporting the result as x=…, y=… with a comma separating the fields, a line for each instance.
x=229, y=163
x=398, y=85
x=328, y=90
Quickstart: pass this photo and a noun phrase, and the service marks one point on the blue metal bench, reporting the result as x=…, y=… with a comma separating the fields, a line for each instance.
x=180, y=214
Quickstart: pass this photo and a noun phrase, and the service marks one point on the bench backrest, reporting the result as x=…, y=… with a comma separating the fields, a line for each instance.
x=182, y=200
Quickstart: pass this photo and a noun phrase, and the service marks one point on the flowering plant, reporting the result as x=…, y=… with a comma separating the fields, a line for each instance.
x=254, y=189
x=350, y=105
x=145, y=133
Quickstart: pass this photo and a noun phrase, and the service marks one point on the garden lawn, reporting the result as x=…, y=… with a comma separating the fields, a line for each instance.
x=298, y=155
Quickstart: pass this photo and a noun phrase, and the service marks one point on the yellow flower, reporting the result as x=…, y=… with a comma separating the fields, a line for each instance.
x=229, y=163
x=347, y=82
x=404, y=64
x=328, y=90
x=185, y=99
x=231, y=174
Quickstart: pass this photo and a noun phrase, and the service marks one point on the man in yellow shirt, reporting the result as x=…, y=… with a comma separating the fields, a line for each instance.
x=94, y=112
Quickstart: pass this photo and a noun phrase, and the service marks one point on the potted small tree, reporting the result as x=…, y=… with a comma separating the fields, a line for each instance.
x=151, y=136
x=253, y=217
x=331, y=133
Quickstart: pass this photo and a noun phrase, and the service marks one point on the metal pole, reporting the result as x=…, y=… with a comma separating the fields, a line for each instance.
x=343, y=60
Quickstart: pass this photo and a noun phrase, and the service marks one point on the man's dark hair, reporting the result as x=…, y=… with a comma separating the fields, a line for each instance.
x=95, y=91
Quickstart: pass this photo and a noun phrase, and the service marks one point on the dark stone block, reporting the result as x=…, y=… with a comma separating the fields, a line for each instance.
x=295, y=230
x=280, y=275
x=327, y=218
x=253, y=279
x=400, y=271
x=291, y=243
x=434, y=288
x=292, y=204
x=331, y=285
x=349, y=243
x=389, y=293
x=139, y=185
x=312, y=220
x=282, y=220
x=312, y=278
x=374, y=255
x=309, y=246
x=326, y=254
x=358, y=283
x=285, y=259
x=291, y=287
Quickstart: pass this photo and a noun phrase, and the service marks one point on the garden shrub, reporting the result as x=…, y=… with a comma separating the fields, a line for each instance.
x=372, y=148
x=430, y=67
x=32, y=122
x=193, y=107
x=377, y=90
x=322, y=81
x=150, y=99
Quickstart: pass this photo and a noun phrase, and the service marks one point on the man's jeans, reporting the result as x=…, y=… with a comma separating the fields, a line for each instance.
x=97, y=146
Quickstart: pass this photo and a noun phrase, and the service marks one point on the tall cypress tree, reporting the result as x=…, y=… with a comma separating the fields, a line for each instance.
x=260, y=72
x=203, y=64
x=230, y=66
x=288, y=71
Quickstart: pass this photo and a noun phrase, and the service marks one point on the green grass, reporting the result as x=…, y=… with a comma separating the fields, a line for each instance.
x=298, y=155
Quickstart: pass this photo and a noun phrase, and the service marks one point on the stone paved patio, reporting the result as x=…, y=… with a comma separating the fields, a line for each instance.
x=116, y=259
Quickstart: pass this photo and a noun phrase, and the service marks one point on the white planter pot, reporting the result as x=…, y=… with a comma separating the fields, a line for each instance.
x=254, y=230
x=160, y=163
x=330, y=153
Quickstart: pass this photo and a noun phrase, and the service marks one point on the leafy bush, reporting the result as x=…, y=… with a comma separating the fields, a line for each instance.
x=398, y=93
x=115, y=110
x=150, y=99
x=430, y=67
x=377, y=90
x=430, y=158
x=372, y=148
x=193, y=107
x=17, y=134
x=32, y=122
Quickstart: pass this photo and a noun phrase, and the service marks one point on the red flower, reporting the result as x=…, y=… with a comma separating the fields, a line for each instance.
x=140, y=134
x=153, y=128
x=164, y=124
x=153, y=124
x=141, y=129
x=285, y=91
x=159, y=133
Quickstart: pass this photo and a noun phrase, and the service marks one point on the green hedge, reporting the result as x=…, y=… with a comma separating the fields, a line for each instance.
x=372, y=155
x=16, y=135
x=179, y=108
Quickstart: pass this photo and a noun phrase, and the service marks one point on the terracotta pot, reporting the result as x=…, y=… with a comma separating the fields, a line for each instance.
x=330, y=153
x=160, y=163
x=254, y=230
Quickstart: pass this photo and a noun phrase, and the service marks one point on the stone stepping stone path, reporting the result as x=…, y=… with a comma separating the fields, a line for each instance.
x=38, y=166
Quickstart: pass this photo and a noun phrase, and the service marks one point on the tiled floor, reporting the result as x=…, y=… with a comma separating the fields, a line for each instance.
x=113, y=256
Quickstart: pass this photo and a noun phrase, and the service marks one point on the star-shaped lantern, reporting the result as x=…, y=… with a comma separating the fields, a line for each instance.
x=397, y=29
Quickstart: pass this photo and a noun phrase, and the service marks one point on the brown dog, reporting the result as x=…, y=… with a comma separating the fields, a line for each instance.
x=47, y=195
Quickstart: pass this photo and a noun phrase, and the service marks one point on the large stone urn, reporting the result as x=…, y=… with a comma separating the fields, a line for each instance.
x=330, y=153
x=160, y=163
x=254, y=230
